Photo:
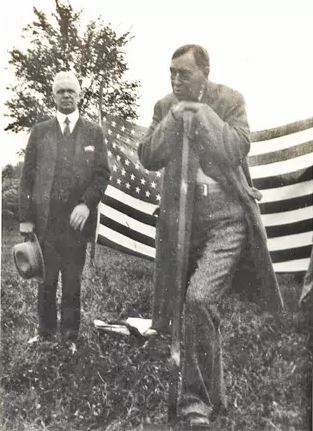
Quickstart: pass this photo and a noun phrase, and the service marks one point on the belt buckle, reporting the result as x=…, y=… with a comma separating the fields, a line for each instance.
x=204, y=189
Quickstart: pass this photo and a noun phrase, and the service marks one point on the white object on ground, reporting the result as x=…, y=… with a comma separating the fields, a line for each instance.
x=33, y=339
x=142, y=325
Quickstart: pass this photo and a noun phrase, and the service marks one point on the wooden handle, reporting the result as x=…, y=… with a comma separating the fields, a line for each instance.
x=184, y=211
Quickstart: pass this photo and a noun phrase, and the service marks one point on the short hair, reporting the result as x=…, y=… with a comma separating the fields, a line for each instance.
x=200, y=54
x=65, y=76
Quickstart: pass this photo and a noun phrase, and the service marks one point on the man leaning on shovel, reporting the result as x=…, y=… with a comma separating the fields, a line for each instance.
x=226, y=229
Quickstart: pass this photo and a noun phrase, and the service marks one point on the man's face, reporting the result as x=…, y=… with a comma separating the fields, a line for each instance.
x=66, y=97
x=186, y=78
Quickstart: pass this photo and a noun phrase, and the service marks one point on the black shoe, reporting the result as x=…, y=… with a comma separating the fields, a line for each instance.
x=218, y=410
x=69, y=336
x=158, y=347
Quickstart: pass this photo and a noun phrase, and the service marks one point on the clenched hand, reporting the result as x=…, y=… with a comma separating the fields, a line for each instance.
x=185, y=106
x=26, y=228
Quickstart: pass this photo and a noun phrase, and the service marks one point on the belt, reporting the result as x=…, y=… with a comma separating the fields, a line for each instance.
x=205, y=188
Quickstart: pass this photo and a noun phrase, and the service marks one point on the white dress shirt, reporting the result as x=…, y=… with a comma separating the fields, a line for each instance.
x=73, y=117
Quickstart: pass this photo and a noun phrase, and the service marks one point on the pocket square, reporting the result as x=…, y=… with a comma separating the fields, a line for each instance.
x=89, y=148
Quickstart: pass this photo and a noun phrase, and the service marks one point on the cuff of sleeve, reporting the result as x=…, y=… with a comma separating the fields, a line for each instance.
x=87, y=200
x=83, y=201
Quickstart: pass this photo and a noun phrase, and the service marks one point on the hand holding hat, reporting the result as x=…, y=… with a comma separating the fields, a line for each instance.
x=28, y=256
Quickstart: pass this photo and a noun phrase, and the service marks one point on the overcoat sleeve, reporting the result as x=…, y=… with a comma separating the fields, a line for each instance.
x=28, y=178
x=220, y=134
x=158, y=144
x=101, y=172
x=222, y=137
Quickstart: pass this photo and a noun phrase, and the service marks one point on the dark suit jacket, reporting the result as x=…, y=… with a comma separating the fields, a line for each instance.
x=220, y=136
x=90, y=172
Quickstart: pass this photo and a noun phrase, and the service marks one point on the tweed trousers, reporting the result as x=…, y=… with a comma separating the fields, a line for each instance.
x=218, y=238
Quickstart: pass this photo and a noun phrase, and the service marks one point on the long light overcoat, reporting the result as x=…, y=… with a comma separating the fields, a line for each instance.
x=220, y=137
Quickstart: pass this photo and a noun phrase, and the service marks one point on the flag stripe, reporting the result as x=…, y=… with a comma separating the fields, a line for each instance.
x=128, y=222
x=138, y=204
x=290, y=241
x=280, y=143
x=292, y=265
x=125, y=242
x=123, y=208
x=103, y=240
x=290, y=228
x=287, y=192
x=126, y=231
x=286, y=204
x=276, y=132
x=283, y=180
x=287, y=217
x=285, y=154
x=283, y=167
x=291, y=254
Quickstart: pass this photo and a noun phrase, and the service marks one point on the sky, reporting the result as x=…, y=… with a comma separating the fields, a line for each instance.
x=263, y=48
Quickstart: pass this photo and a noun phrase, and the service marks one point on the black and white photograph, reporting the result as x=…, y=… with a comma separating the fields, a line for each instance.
x=157, y=215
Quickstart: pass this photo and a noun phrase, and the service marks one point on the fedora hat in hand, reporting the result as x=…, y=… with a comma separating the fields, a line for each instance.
x=28, y=258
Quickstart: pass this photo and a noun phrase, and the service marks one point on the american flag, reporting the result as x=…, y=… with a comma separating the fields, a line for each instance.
x=127, y=211
x=280, y=160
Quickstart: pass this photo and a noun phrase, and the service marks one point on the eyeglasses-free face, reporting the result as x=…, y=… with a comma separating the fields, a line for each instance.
x=66, y=98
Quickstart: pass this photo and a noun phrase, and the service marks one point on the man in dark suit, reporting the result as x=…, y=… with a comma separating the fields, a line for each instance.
x=226, y=225
x=64, y=176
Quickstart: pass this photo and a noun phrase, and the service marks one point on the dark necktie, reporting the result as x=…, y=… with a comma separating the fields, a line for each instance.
x=67, y=130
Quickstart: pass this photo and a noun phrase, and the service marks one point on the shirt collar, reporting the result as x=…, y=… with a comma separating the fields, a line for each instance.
x=73, y=117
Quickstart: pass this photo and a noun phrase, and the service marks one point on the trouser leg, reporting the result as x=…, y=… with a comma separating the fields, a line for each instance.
x=202, y=375
x=72, y=266
x=47, y=311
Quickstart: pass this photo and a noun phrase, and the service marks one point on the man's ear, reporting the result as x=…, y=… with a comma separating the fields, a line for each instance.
x=81, y=94
x=206, y=71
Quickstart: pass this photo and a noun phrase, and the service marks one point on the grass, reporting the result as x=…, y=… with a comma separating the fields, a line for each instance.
x=114, y=383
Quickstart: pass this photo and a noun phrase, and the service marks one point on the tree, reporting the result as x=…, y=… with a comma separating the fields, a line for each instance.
x=7, y=172
x=57, y=43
